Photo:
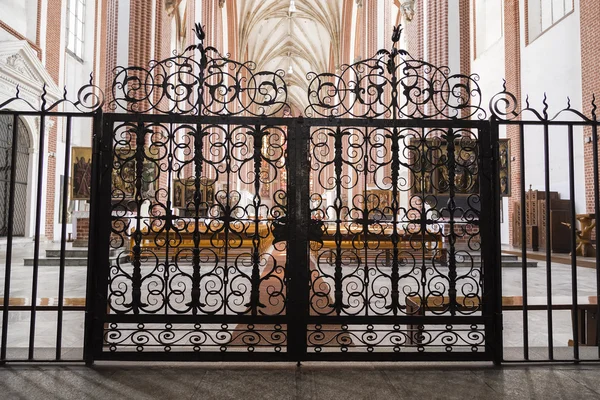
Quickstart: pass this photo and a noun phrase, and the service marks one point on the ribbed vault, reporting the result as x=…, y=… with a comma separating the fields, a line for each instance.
x=308, y=39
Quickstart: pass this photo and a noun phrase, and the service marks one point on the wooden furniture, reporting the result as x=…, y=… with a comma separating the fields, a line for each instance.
x=352, y=239
x=532, y=241
x=559, y=234
x=238, y=237
x=587, y=308
x=584, y=248
x=536, y=219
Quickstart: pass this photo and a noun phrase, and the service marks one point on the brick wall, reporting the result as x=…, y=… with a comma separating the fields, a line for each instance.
x=590, y=74
x=83, y=230
x=512, y=43
x=54, y=53
x=465, y=40
x=109, y=51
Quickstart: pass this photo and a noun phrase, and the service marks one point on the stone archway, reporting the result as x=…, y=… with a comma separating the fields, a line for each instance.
x=21, y=177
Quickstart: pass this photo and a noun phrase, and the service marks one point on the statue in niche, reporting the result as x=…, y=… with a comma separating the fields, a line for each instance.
x=407, y=8
x=178, y=10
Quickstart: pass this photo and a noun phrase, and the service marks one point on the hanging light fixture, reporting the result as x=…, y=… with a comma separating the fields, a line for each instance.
x=292, y=8
x=290, y=70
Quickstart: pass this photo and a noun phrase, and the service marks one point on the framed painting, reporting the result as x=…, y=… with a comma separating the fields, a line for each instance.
x=81, y=173
x=124, y=175
x=504, y=166
x=178, y=194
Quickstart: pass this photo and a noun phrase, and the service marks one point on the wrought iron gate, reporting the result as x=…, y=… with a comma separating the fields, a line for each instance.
x=365, y=230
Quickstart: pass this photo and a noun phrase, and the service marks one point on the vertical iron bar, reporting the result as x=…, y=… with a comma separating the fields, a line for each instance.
x=9, y=238
x=228, y=141
x=98, y=263
x=63, y=243
x=524, y=243
x=548, y=242
x=597, y=215
x=36, y=245
x=256, y=200
x=395, y=276
x=574, y=310
x=451, y=211
x=298, y=224
x=422, y=169
x=136, y=277
x=365, y=216
x=338, y=302
x=492, y=273
x=195, y=304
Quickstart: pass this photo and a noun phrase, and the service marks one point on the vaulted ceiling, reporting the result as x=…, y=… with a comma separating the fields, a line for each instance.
x=308, y=39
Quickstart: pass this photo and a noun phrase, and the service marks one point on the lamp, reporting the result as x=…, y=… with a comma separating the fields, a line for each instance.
x=292, y=8
x=290, y=70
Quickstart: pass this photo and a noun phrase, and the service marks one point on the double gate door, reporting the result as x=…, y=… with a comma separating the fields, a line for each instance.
x=249, y=238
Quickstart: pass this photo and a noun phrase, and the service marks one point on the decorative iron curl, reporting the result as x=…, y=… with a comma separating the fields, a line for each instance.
x=504, y=106
x=200, y=81
x=90, y=98
x=392, y=84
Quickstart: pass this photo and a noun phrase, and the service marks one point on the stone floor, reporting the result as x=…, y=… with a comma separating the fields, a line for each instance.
x=75, y=287
x=310, y=381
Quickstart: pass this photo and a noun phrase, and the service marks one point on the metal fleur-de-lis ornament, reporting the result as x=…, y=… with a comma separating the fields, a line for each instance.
x=391, y=64
x=200, y=35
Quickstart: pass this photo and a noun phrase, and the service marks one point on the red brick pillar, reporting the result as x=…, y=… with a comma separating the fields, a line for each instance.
x=512, y=45
x=590, y=75
x=54, y=52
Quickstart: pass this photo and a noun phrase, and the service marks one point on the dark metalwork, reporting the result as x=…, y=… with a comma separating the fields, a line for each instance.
x=548, y=242
x=394, y=85
x=225, y=229
x=210, y=84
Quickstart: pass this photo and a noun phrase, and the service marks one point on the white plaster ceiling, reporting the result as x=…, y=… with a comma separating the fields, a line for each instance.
x=273, y=39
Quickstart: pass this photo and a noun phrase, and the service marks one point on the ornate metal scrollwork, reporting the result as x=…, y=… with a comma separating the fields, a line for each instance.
x=394, y=85
x=89, y=99
x=199, y=82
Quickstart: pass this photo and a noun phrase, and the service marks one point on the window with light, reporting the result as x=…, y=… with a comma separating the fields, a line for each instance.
x=75, y=27
x=543, y=14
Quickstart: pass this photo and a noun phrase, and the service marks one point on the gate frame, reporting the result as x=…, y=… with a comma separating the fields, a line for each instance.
x=297, y=317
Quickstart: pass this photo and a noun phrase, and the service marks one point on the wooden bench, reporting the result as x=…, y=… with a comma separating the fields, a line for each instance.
x=184, y=239
x=587, y=307
x=354, y=240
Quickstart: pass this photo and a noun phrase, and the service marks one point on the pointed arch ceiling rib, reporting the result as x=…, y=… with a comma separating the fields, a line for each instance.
x=274, y=40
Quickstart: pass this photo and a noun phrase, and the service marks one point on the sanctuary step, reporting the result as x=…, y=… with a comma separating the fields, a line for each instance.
x=508, y=261
x=73, y=258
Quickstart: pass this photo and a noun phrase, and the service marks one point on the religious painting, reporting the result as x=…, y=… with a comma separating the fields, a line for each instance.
x=184, y=190
x=466, y=169
x=124, y=175
x=422, y=158
x=178, y=194
x=504, y=152
x=81, y=172
x=378, y=199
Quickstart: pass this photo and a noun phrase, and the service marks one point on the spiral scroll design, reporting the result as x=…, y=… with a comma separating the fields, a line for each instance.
x=394, y=85
x=199, y=83
x=399, y=210
x=193, y=211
